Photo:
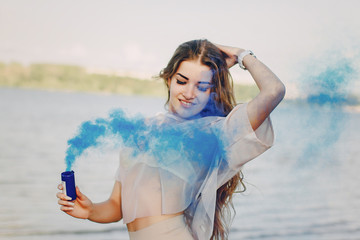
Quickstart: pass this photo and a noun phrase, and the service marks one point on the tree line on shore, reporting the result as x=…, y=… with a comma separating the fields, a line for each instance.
x=76, y=78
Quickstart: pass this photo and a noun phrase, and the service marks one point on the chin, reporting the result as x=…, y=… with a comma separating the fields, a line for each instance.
x=188, y=115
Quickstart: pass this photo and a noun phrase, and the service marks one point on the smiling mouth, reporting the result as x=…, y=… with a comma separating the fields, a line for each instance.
x=186, y=103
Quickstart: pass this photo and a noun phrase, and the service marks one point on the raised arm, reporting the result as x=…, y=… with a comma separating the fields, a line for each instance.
x=272, y=90
x=104, y=212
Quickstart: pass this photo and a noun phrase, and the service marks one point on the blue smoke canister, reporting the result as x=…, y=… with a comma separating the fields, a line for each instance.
x=68, y=179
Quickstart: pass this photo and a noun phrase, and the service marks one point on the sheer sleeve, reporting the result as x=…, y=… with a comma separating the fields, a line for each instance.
x=240, y=142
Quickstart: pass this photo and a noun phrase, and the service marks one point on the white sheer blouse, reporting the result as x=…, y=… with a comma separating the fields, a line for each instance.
x=178, y=165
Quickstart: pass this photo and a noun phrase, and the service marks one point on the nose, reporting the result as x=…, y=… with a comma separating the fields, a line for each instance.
x=189, y=91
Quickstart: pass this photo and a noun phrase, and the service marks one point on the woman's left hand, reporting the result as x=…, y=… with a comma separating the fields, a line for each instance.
x=232, y=54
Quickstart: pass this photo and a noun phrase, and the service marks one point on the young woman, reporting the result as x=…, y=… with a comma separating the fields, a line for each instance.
x=183, y=192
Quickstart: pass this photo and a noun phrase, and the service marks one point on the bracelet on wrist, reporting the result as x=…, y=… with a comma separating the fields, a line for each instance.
x=241, y=58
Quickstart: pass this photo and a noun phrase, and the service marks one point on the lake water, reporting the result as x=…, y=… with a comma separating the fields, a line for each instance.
x=306, y=187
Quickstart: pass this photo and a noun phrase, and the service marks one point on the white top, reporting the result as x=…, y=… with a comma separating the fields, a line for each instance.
x=172, y=164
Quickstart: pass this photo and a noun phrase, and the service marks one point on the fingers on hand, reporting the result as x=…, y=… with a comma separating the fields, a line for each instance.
x=63, y=196
x=66, y=205
x=66, y=209
x=78, y=193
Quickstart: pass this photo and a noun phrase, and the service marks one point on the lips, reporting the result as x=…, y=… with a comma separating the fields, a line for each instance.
x=185, y=104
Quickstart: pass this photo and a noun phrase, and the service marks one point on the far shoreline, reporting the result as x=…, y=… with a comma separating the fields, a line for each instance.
x=78, y=79
x=291, y=102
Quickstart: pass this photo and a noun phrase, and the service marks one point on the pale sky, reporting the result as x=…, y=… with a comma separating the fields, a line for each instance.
x=138, y=37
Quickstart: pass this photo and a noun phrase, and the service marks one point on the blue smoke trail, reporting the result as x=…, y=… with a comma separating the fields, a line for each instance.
x=327, y=94
x=90, y=134
x=331, y=85
x=147, y=136
x=87, y=137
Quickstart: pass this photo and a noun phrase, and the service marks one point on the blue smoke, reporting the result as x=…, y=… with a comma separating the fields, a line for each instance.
x=88, y=135
x=188, y=138
x=213, y=108
x=331, y=86
x=324, y=115
x=92, y=133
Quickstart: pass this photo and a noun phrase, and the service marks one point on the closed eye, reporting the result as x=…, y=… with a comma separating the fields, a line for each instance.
x=180, y=82
x=204, y=86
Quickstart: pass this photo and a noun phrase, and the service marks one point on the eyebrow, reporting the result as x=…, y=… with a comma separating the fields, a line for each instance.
x=182, y=76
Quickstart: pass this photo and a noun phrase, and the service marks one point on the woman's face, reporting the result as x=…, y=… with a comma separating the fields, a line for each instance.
x=189, y=89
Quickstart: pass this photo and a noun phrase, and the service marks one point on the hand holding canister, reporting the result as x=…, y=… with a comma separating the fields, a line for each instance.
x=77, y=205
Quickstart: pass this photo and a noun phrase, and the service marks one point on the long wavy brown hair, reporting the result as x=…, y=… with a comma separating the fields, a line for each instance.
x=223, y=98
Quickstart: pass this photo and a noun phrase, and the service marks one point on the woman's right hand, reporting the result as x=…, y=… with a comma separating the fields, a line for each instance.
x=232, y=54
x=81, y=207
